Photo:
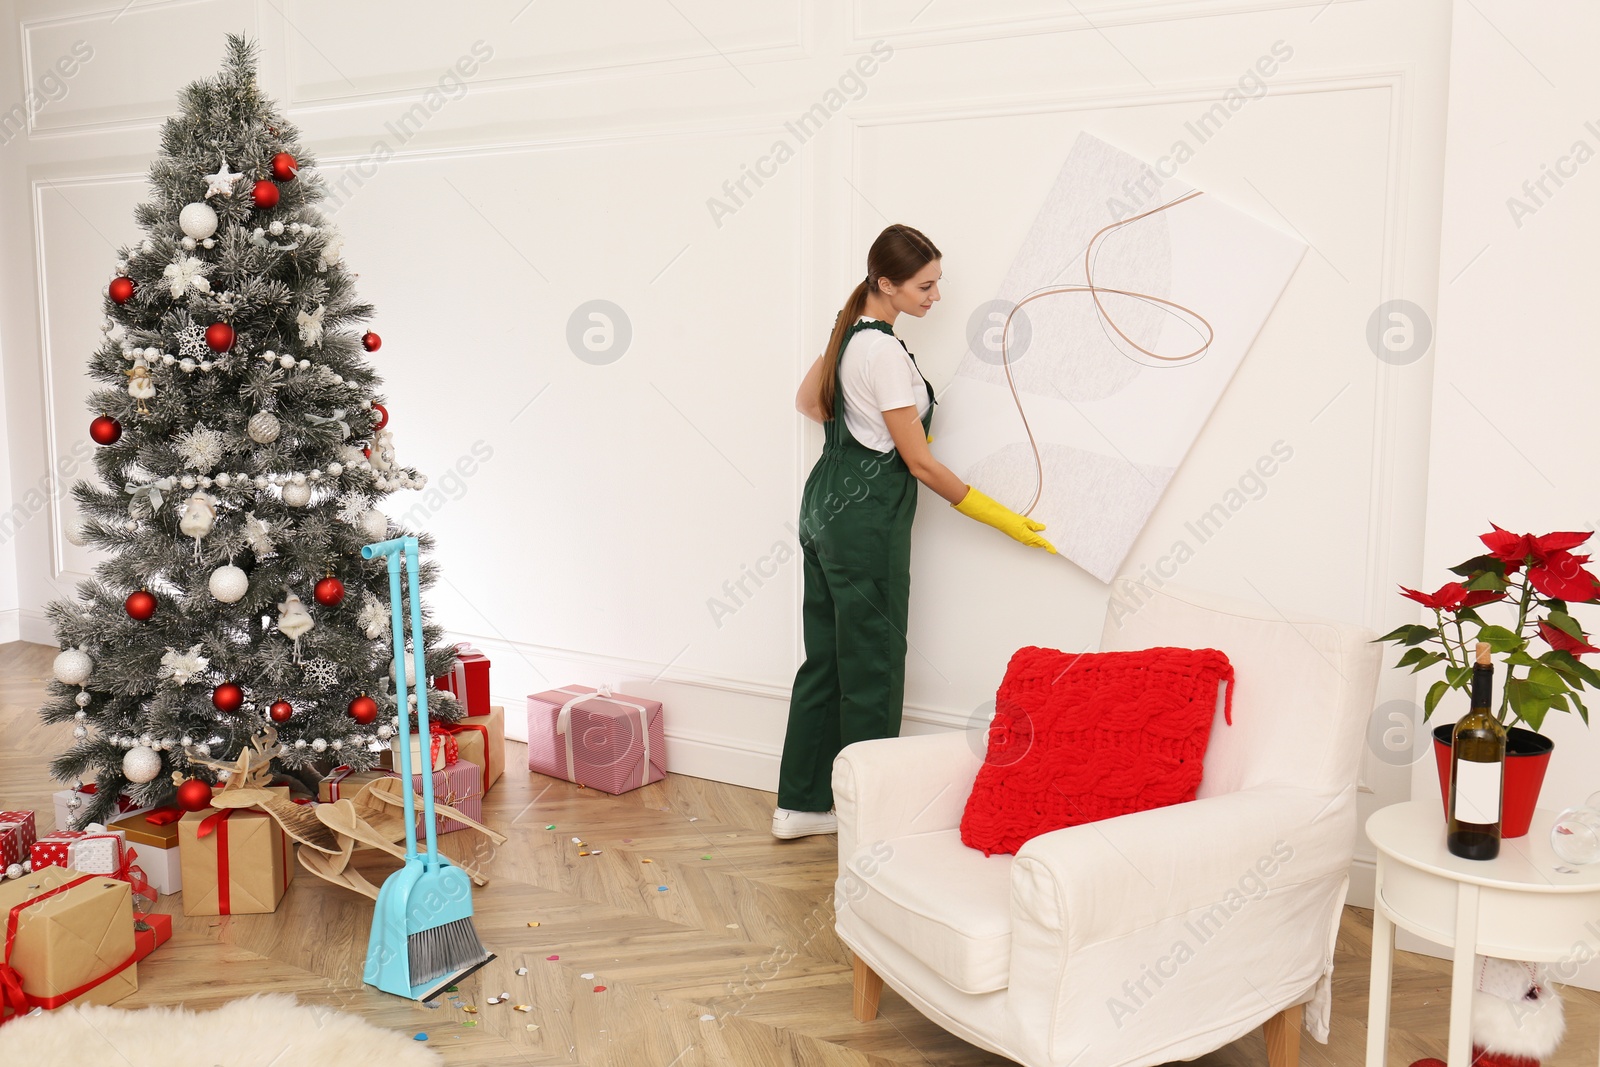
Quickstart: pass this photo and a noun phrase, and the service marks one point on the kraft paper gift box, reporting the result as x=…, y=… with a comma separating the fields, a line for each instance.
x=64, y=812
x=459, y=785
x=342, y=783
x=235, y=862
x=68, y=937
x=482, y=740
x=608, y=741
x=95, y=850
x=153, y=835
x=17, y=835
x=468, y=679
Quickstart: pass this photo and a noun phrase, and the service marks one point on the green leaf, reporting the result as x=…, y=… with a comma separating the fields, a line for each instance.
x=1479, y=563
x=1418, y=659
x=1583, y=712
x=1409, y=635
x=1470, y=615
x=1458, y=677
x=1436, y=692
x=1526, y=705
x=1565, y=623
x=1557, y=660
x=1545, y=681
x=1520, y=658
x=1499, y=638
x=1489, y=581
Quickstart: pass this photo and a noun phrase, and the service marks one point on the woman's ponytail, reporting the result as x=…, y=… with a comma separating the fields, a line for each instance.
x=853, y=306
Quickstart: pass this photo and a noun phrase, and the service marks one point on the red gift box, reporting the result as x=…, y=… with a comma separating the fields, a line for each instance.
x=469, y=680
x=613, y=742
x=97, y=851
x=17, y=835
x=158, y=934
x=459, y=785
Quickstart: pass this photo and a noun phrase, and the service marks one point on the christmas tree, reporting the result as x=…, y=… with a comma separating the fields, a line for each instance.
x=243, y=453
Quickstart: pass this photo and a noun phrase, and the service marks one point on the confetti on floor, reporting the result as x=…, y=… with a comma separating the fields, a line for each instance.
x=432, y=1005
x=492, y=1000
x=580, y=853
x=448, y=988
x=552, y=826
x=419, y=1036
x=547, y=957
x=705, y=857
x=468, y=1008
x=703, y=1018
x=531, y=1026
x=523, y=1008
x=522, y=970
x=598, y=988
x=625, y=840
x=731, y=926
x=586, y=977
x=533, y=924
x=641, y=861
x=469, y=1022
x=659, y=888
x=575, y=840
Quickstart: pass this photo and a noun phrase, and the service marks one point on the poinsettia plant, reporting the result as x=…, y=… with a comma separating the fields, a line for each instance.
x=1537, y=578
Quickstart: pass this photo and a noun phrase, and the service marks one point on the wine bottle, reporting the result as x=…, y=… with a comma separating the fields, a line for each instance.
x=1477, y=770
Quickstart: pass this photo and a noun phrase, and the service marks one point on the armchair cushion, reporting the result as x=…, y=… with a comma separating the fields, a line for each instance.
x=1077, y=738
x=939, y=901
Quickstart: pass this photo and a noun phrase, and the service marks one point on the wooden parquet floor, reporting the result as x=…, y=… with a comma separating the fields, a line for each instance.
x=743, y=932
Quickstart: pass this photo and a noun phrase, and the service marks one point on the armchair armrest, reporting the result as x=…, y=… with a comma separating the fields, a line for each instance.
x=896, y=786
x=1104, y=879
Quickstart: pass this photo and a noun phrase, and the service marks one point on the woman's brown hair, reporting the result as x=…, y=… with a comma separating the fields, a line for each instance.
x=897, y=254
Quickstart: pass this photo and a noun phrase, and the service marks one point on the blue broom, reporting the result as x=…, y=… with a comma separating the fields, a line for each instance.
x=423, y=940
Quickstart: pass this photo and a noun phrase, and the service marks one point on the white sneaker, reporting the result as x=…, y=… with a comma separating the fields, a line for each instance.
x=787, y=824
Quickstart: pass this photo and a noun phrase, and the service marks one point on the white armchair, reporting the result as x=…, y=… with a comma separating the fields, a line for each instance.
x=1143, y=939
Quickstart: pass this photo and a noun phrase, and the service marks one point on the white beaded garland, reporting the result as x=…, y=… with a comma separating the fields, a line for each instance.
x=297, y=494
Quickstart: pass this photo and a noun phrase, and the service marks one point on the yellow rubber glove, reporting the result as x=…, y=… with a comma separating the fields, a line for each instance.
x=976, y=505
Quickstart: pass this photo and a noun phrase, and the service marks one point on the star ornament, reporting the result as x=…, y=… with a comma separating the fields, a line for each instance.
x=221, y=183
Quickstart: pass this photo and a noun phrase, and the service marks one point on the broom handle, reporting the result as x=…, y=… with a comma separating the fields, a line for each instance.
x=418, y=657
x=391, y=550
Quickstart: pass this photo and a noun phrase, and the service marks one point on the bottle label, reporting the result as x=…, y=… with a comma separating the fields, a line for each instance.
x=1477, y=792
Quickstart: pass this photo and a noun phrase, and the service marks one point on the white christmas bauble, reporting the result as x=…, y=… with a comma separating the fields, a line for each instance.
x=335, y=469
x=229, y=583
x=188, y=243
x=140, y=764
x=198, y=221
x=224, y=479
x=305, y=364
x=73, y=666
x=285, y=362
x=82, y=699
x=411, y=671
x=336, y=744
x=319, y=745
x=375, y=524
x=263, y=427
x=14, y=871
x=299, y=742
x=74, y=534
x=209, y=242
x=297, y=494
x=187, y=481
x=386, y=731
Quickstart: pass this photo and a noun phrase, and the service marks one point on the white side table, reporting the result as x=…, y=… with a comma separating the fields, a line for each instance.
x=1525, y=904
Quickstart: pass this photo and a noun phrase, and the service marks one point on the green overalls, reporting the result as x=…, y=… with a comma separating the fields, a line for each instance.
x=855, y=537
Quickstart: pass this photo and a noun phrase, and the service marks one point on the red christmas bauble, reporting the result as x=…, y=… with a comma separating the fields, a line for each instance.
x=194, y=795
x=265, y=194
x=140, y=605
x=329, y=592
x=383, y=417
x=284, y=167
x=219, y=337
x=121, y=290
x=281, y=711
x=105, y=430
x=371, y=341
x=227, y=697
x=364, y=710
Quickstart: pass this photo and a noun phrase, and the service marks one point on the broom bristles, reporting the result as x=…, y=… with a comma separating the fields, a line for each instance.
x=451, y=949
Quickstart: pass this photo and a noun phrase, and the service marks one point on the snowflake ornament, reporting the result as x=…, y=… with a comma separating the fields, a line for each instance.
x=322, y=673
x=310, y=324
x=373, y=617
x=331, y=250
x=182, y=666
x=352, y=506
x=185, y=274
x=192, y=343
x=259, y=535
x=200, y=448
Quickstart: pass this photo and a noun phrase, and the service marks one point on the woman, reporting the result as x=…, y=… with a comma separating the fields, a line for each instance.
x=855, y=526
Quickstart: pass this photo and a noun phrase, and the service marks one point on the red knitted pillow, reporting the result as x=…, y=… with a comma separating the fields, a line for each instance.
x=1081, y=737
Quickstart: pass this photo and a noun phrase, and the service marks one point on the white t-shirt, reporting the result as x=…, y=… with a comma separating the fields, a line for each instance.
x=876, y=375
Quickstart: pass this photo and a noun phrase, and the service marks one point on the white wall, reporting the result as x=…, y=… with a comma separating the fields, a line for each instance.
x=1515, y=380
x=618, y=499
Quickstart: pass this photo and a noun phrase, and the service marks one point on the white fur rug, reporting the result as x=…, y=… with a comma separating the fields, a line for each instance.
x=251, y=1032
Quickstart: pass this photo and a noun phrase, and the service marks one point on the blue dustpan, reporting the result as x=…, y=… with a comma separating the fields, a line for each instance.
x=422, y=937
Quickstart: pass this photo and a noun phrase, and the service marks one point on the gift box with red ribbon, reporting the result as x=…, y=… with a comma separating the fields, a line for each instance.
x=150, y=931
x=153, y=836
x=95, y=850
x=66, y=811
x=482, y=740
x=68, y=936
x=609, y=741
x=342, y=782
x=444, y=750
x=459, y=785
x=17, y=835
x=235, y=862
x=468, y=679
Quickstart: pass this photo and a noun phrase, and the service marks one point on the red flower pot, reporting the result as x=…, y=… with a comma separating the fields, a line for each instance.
x=1527, y=756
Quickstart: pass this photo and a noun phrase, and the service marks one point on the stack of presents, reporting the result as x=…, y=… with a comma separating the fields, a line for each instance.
x=78, y=905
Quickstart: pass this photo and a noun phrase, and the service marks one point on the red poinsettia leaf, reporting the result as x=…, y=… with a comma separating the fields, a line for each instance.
x=1477, y=597
x=1560, y=541
x=1513, y=548
x=1562, y=576
x=1447, y=598
x=1562, y=641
